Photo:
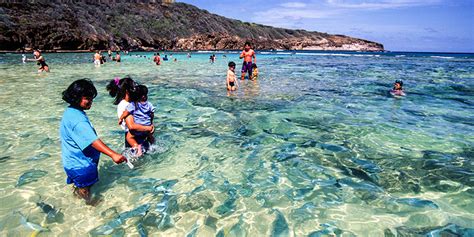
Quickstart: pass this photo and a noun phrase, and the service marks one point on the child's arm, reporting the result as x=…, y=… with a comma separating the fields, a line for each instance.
x=101, y=147
x=152, y=116
x=131, y=125
x=254, y=58
x=124, y=115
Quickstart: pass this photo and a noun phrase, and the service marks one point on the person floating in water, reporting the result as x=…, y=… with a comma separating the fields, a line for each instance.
x=143, y=113
x=80, y=145
x=247, y=54
x=157, y=59
x=212, y=58
x=254, y=72
x=397, y=88
x=231, y=80
x=165, y=58
x=109, y=53
x=40, y=61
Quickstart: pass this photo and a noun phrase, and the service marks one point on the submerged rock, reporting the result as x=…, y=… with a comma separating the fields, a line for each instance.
x=449, y=230
x=280, y=226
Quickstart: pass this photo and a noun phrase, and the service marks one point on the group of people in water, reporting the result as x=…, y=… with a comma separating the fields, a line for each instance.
x=80, y=145
x=99, y=58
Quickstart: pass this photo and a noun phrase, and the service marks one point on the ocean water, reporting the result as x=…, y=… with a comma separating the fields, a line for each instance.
x=315, y=147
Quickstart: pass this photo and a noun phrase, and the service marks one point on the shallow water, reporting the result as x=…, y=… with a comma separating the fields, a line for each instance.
x=317, y=146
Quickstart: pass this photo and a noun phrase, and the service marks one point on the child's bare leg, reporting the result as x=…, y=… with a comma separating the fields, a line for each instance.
x=134, y=144
x=243, y=76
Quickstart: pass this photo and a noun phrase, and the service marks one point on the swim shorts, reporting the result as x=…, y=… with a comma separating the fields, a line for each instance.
x=84, y=177
x=247, y=68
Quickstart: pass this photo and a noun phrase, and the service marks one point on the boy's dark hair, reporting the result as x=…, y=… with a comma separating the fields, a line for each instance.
x=74, y=93
x=247, y=43
x=231, y=64
x=254, y=65
x=140, y=93
x=119, y=88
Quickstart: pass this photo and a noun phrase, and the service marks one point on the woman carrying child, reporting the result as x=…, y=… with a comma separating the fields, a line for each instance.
x=122, y=90
x=143, y=113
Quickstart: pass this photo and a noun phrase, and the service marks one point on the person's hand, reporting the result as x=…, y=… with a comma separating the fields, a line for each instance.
x=119, y=122
x=118, y=158
x=152, y=130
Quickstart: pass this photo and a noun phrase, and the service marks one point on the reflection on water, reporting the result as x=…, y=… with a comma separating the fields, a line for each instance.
x=315, y=147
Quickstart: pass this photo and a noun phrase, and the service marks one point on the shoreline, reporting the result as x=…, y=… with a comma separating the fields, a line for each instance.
x=228, y=50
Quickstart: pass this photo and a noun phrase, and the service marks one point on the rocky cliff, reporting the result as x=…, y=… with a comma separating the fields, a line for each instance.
x=147, y=25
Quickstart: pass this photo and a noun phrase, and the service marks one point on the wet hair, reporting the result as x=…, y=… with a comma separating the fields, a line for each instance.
x=400, y=82
x=231, y=64
x=118, y=88
x=247, y=43
x=254, y=65
x=78, y=89
x=140, y=94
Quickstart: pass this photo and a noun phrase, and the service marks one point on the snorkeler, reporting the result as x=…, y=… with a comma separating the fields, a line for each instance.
x=247, y=54
x=397, y=88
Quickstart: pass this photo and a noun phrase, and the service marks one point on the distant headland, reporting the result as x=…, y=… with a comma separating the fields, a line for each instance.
x=148, y=25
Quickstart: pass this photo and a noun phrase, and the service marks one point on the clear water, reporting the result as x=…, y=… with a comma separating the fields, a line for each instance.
x=315, y=146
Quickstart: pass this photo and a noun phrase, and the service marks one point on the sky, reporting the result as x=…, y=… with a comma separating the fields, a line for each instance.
x=400, y=25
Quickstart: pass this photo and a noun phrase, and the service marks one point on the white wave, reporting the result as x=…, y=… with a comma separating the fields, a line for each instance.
x=441, y=57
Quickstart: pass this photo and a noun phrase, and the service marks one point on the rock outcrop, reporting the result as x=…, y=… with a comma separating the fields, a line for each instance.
x=148, y=25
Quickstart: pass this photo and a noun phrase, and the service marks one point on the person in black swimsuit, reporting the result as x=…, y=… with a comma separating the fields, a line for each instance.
x=40, y=61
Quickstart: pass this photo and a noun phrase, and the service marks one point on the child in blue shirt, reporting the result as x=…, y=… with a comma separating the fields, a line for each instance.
x=80, y=145
x=143, y=113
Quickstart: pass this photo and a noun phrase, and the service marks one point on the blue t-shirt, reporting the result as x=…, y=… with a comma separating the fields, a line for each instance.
x=141, y=112
x=77, y=135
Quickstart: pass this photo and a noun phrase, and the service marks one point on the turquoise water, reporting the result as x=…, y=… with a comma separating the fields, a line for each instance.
x=317, y=146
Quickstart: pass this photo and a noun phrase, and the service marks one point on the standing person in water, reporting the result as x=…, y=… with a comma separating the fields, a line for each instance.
x=143, y=113
x=80, y=145
x=97, y=58
x=117, y=57
x=247, y=54
x=40, y=61
x=122, y=90
x=157, y=59
x=231, y=80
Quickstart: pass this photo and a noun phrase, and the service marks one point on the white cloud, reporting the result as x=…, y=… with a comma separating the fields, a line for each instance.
x=294, y=5
x=379, y=4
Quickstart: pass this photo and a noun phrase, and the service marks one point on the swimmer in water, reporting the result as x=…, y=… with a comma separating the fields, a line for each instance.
x=247, y=54
x=40, y=61
x=231, y=81
x=23, y=58
x=397, y=88
x=254, y=72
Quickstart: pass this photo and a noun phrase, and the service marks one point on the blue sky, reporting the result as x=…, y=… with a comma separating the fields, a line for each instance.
x=401, y=25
